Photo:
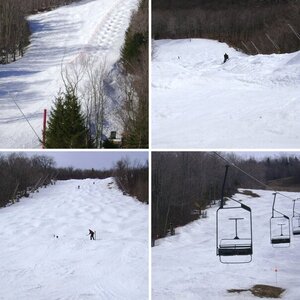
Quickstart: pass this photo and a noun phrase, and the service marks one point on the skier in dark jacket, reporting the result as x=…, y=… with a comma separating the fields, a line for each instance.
x=91, y=234
x=226, y=57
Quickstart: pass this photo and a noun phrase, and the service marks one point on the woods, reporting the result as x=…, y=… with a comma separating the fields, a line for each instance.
x=133, y=112
x=132, y=179
x=21, y=175
x=184, y=184
x=252, y=26
x=14, y=29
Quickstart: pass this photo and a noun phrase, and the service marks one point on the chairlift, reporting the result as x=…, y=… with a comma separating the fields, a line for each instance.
x=296, y=220
x=280, y=234
x=234, y=246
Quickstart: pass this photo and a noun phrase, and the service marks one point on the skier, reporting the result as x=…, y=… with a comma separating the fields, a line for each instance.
x=226, y=57
x=91, y=233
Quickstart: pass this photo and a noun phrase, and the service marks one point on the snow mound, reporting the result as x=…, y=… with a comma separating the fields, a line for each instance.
x=199, y=102
x=94, y=29
x=46, y=253
x=295, y=60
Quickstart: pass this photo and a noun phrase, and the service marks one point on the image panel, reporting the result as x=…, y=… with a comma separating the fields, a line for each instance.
x=225, y=225
x=225, y=74
x=74, y=225
x=73, y=74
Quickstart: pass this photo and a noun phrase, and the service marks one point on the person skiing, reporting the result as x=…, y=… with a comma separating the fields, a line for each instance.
x=226, y=57
x=91, y=234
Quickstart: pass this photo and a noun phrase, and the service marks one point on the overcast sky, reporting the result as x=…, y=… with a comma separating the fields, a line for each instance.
x=90, y=159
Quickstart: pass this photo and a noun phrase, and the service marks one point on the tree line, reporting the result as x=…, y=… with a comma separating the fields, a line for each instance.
x=184, y=184
x=14, y=29
x=132, y=178
x=134, y=59
x=271, y=26
x=21, y=175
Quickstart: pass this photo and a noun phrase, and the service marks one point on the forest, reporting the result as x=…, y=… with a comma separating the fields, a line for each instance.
x=134, y=58
x=14, y=29
x=21, y=175
x=269, y=26
x=184, y=184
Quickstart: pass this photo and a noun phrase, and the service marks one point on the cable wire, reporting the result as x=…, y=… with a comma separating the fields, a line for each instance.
x=14, y=100
x=251, y=176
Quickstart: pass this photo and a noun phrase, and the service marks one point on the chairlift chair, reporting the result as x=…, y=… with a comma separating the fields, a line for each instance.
x=280, y=234
x=236, y=243
x=295, y=220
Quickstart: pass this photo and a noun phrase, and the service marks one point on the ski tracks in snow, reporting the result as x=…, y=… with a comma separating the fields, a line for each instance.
x=92, y=29
x=35, y=264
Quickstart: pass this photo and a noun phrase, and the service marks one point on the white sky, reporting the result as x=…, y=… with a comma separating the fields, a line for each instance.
x=88, y=159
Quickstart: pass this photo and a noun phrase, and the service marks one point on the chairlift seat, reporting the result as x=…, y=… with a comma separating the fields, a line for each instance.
x=296, y=231
x=285, y=240
x=233, y=249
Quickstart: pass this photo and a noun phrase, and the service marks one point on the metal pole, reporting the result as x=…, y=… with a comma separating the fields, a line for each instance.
x=223, y=187
x=246, y=46
x=273, y=204
x=294, y=31
x=274, y=44
x=44, y=128
x=255, y=47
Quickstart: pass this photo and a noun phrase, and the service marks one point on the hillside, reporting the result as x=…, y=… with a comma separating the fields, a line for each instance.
x=37, y=265
x=191, y=270
x=62, y=38
x=248, y=102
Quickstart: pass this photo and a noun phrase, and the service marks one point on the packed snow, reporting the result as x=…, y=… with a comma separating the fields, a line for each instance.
x=185, y=266
x=91, y=29
x=199, y=102
x=46, y=252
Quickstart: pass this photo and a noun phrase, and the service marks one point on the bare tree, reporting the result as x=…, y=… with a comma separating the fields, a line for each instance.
x=95, y=98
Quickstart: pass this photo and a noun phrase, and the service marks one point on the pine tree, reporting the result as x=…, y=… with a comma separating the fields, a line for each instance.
x=66, y=125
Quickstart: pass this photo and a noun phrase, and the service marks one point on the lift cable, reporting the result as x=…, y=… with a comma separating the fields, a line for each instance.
x=251, y=176
x=14, y=100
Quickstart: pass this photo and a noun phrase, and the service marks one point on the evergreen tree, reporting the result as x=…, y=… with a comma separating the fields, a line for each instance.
x=66, y=125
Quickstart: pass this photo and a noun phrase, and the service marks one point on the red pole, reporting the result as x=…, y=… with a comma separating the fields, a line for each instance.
x=44, y=128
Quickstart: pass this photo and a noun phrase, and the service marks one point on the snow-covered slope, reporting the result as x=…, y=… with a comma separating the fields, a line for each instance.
x=248, y=102
x=91, y=28
x=185, y=266
x=36, y=265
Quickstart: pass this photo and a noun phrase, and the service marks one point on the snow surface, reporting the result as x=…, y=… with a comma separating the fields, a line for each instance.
x=90, y=28
x=199, y=102
x=185, y=266
x=36, y=265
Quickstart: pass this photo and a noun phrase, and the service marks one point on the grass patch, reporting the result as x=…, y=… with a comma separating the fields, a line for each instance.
x=249, y=193
x=261, y=291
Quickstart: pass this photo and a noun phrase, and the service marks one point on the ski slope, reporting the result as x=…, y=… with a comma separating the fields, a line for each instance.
x=36, y=265
x=94, y=29
x=185, y=266
x=199, y=102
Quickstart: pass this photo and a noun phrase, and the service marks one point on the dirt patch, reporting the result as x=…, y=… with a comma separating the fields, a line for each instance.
x=266, y=291
x=261, y=291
